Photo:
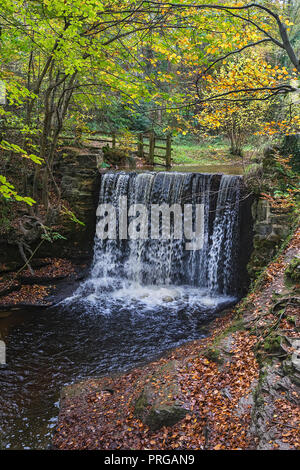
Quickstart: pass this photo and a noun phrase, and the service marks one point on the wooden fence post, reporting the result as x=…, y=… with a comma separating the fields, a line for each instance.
x=151, y=147
x=140, y=145
x=168, y=151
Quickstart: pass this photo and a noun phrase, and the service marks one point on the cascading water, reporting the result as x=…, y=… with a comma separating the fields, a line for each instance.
x=152, y=271
x=142, y=297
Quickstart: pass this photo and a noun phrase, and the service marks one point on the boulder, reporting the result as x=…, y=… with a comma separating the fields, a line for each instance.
x=159, y=403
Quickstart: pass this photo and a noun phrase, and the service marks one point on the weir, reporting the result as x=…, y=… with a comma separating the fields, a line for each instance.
x=163, y=268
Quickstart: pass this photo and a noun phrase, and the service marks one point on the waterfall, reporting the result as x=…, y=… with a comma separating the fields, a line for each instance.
x=221, y=260
x=145, y=267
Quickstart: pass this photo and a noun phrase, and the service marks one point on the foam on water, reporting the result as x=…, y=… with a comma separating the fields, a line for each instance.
x=156, y=272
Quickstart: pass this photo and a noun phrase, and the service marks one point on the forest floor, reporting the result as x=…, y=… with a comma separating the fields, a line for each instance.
x=20, y=288
x=238, y=388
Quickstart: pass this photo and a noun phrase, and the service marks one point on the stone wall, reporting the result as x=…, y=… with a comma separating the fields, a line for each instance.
x=270, y=228
x=80, y=182
x=79, y=179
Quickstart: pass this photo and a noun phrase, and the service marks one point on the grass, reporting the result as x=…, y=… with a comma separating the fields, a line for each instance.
x=187, y=152
x=212, y=152
x=198, y=154
x=205, y=154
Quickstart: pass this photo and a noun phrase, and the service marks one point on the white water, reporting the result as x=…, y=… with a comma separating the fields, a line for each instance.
x=159, y=272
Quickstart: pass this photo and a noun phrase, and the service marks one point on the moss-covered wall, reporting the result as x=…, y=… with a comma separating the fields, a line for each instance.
x=270, y=228
x=79, y=180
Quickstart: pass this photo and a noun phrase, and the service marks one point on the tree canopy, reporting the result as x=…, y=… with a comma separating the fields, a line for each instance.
x=199, y=64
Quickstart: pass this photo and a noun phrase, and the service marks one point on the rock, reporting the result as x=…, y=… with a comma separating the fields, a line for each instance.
x=159, y=403
x=271, y=226
x=270, y=388
x=295, y=359
x=213, y=354
x=226, y=393
x=68, y=392
x=79, y=182
x=131, y=162
x=167, y=299
x=203, y=330
x=227, y=344
x=292, y=272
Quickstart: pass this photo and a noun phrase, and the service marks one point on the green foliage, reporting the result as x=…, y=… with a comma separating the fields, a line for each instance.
x=51, y=235
x=7, y=190
x=116, y=116
x=18, y=150
x=72, y=216
x=187, y=150
x=106, y=65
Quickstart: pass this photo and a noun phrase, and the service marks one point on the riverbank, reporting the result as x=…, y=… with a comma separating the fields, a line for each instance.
x=52, y=280
x=236, y=389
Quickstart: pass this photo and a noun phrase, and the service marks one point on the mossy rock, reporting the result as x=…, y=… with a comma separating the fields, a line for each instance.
x=287, y=367
x=165, y=416
x=213, y=354
x=272, y=343
x=158, y=404
x=292, y=319
x=264, y=251
x=292, y=272
x=113, y=156
x=118, y=157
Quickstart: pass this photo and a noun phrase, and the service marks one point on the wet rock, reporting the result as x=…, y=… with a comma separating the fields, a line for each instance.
x=68, y=392
x=203, y=330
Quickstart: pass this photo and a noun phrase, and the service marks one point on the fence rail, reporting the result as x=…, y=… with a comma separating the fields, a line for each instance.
x=141, y=143
x=146, y=144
